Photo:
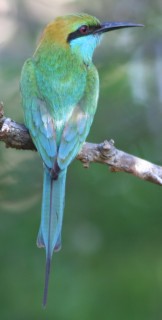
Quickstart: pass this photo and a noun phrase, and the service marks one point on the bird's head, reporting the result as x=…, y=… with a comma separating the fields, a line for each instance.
x=79, y=33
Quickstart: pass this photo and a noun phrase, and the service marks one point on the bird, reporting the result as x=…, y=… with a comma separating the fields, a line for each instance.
x=59, y=88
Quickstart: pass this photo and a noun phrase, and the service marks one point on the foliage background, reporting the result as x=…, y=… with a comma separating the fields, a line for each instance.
x=110, y=266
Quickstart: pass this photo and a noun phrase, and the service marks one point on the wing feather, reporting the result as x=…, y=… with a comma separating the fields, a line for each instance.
x=37, y=117
x=74, y=134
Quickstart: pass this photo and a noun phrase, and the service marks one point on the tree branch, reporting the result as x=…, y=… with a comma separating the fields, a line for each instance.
x=16, y=135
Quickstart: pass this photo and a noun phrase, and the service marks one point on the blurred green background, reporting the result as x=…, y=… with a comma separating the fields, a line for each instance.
x=110, y=266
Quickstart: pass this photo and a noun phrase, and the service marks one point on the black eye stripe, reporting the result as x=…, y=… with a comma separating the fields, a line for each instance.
x=79, y=34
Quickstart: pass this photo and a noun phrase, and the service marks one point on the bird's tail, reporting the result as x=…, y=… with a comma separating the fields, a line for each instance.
x=49, y=235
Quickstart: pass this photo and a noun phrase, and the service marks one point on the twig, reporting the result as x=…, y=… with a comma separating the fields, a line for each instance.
x=13, y=134
x=16, y=135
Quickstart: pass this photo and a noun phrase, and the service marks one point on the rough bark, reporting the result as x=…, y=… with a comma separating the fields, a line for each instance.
x=16, y=135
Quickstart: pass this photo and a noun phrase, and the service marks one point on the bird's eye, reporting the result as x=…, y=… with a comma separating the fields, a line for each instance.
x=84, y=29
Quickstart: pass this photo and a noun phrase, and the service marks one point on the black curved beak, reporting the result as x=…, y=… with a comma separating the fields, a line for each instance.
x=109, y=26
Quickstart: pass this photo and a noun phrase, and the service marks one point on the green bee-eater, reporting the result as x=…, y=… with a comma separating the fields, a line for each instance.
x=60, y=88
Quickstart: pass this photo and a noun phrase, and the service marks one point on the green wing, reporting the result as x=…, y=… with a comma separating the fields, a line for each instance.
x=78, y=125
x=74, y=134
x=37, y=117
